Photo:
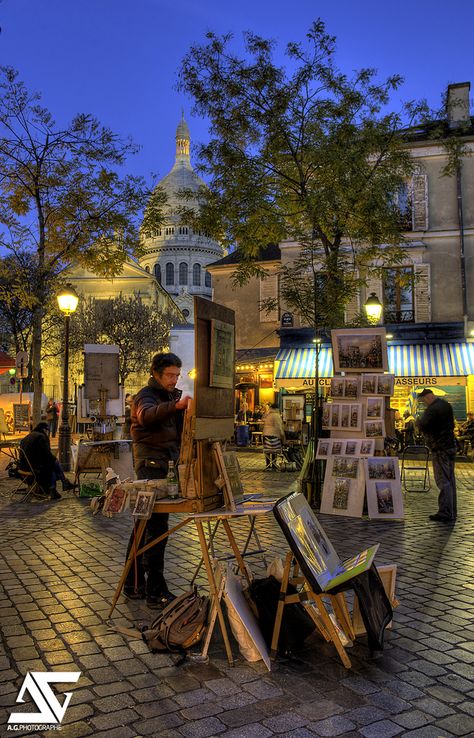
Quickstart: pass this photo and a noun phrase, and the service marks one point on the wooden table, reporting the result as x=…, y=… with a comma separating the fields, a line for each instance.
x=221, y=516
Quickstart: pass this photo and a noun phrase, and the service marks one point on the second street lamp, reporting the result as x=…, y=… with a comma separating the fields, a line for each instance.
x=373, y=308
x=67, y=301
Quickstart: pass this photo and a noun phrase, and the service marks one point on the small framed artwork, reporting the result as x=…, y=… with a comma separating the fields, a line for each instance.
x=335, y=415
x=374, y=428
x=375, y=408
x=337, y=387
x=351, y=388
x=345, y=416
x=324, y=448
x=359, y=350
x=342, y=495
x=115, y=500
x=367, y=447
x=337, y=447
x=384, y=499
x=326, y=415
x=221, y=372
x=385, y=384
x=369, y=384
x=293, y=407
x=382, y=467
x=352, y=448
x=144, y=504
x=355, y=422
x=345, y=466
x=384, y=492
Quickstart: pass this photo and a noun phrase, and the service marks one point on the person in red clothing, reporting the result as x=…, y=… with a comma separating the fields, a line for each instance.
x=156, y=425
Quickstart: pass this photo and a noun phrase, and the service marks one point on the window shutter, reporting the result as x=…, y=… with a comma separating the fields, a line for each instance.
x=422, y=293
x=269, y=289
x=352, y=308
x=420, y=202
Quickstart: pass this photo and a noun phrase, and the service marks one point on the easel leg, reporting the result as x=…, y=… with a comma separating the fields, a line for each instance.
x=318, y=599
x=339, y=605
x=220, y=583
x=128, y=563
x=212, y=535
x=235, y=550
x=281, y=605
x=213, y=590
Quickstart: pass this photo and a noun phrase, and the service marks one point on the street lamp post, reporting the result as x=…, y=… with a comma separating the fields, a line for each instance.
x=373, y=308
x=67, y=301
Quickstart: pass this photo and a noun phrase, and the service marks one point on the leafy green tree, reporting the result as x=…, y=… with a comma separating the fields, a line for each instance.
x=301, y=153
x=138, y=329
x=62, y=199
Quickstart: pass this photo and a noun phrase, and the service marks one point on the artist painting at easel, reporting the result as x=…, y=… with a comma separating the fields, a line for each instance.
x=156, y=425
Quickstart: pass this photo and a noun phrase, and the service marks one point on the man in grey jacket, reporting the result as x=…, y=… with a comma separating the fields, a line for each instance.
x=437, y=426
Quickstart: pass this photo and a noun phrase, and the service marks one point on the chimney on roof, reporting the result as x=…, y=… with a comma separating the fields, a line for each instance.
x=457, y=105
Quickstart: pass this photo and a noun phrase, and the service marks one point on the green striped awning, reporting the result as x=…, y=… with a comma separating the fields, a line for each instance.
x=415, y=360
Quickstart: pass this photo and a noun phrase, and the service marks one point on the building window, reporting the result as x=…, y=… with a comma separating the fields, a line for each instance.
x=169, y=273
x=183, y=230
x=158, y=272
x=403, y=201
x=398, y=295
x=186, y=313
x=147, y=268
x=169, y=231
x=207, y=280
x=183, y=273
x=197, y=275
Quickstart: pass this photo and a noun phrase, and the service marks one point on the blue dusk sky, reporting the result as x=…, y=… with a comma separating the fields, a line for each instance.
x=118, y=59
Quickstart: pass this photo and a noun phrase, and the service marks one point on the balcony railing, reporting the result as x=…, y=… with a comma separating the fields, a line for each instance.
x=399, y=316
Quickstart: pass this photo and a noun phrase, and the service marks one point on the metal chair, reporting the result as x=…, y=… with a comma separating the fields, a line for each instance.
x=416, y=476
x=29, y=484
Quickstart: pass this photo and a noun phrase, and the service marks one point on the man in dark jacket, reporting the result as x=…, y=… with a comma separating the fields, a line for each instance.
x=36, y=454
x=156, y=425
x=437, y=426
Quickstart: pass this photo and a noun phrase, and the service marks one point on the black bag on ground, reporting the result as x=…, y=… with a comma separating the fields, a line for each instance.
x=296, y=624
x=180, y=625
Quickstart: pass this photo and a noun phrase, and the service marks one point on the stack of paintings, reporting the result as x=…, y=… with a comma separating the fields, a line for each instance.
x=357, y=407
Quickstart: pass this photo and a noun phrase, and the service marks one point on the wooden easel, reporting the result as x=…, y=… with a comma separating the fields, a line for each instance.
x=316, y=607
x=215, y=588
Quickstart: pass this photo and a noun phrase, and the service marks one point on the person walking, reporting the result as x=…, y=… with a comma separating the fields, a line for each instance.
x=273, y=436
x=52, y=415
x=156, y=424
x=437, y=426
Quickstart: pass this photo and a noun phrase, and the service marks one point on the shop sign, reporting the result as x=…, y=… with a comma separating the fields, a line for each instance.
x=428, y=381
x=287, y=320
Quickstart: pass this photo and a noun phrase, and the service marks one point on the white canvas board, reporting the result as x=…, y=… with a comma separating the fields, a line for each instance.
x=384, y=491
x=234, y=592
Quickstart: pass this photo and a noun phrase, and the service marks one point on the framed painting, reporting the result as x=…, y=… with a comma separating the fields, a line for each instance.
x=293, y=407
x=384, y=492
x=144, y=504
x=388, y=575
x=221, y=373
x=355, y=419
x=369, y=384
x=345, y=466
x=367, y=447
x=385, y=384
x=324, y=448
x=351, y=388
x=375, y=408
x=326, y=415
x=343, y=495
x=337, y=447
x=337, y=387
x=359, y=350
x=352, y=448
x=374, y=428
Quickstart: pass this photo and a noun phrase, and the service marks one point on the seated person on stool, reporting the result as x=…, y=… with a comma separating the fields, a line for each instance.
x=46, y=467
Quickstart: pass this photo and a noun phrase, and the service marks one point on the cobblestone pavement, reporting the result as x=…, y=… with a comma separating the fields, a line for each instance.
x=59, y=567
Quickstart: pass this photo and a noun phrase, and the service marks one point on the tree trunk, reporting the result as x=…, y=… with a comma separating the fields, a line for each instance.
x=36, y=363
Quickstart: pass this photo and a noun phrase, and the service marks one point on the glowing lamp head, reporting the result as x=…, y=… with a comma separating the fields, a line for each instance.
x=67, y=299
x=373, y=308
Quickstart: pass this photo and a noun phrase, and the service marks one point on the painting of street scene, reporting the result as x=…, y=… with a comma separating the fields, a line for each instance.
x=382, y=467
x=367, y=447
x=341, y=493
x=385, y=384
x=337, y=387
x=384, y=498
x=374, y=428
x=351, y=387
x=375, y=406
x=357, y=350
x=344, y=466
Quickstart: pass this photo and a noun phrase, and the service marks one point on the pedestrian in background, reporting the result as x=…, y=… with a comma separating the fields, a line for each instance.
x=127, y=422
x=273, y=436
x=437, y=426
x=156, y=425
x=52, y=415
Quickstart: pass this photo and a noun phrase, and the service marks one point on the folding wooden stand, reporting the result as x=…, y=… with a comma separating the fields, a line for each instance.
x=315, y=606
